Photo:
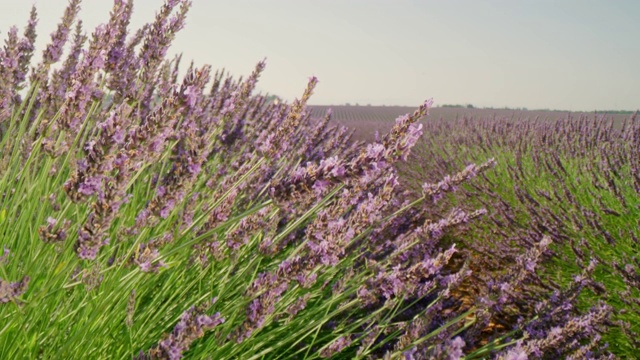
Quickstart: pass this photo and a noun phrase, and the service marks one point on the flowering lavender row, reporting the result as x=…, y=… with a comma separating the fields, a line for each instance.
x=573, y=180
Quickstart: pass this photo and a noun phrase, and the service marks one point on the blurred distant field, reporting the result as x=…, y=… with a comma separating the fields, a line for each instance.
x=367, y=119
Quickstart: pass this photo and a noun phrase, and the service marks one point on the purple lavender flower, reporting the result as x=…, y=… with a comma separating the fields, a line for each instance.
x=9, y=291
x=516, y=353
x=50, y=233
x=147, y=254
x=260, y=308
x=192, y=325
x=335, y=347
x=59, y=38
x=455, y=348
x=90, y=186
x=450, y=183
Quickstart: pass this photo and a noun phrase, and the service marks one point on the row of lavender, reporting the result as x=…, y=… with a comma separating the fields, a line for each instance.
x=575, y=180
x=151, y=216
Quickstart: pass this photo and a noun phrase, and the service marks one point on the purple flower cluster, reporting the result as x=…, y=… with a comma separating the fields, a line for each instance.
x=374, y=158
x=450, y=183
x=192, y=326
x=15, y=57
x=53, y=51
x=147, y=255
x=335, y=347
x=52, y=233
x=9, y=291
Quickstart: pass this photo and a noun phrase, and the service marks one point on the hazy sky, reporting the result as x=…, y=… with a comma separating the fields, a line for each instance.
x=562, y=54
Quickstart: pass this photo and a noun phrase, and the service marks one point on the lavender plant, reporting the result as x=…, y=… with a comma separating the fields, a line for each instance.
x=131, y=197
x=570, y=179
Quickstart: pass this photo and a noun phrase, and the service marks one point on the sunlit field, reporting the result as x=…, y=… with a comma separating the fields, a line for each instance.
x=152, y=209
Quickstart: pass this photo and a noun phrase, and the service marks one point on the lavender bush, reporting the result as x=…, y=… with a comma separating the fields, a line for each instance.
x=573, y=180
x=132, y=197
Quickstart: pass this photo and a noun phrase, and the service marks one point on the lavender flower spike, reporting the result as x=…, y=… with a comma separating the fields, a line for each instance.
x=9, y=291
x=192, y=326
x=53, y=52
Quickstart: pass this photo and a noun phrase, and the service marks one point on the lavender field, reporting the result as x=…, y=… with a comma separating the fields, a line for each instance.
x=571, y=177
x=366, y=120
x=146, y=214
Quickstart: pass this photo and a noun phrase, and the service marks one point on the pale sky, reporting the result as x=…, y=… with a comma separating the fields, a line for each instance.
x=557, y=54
